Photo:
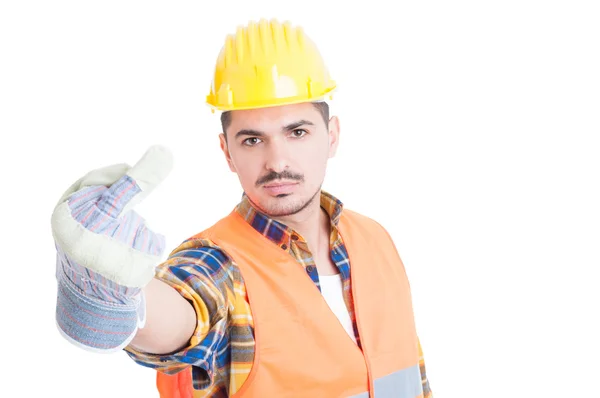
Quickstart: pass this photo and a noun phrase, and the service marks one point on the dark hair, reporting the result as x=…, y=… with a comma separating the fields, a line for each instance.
x=322, y=107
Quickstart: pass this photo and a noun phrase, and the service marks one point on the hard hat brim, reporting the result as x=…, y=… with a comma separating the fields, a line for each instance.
x=271, y=103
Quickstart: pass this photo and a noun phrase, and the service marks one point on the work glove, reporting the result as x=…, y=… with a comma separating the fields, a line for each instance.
x=106, y=254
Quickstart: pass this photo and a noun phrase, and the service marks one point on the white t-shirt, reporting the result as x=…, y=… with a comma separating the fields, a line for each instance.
x=332, y=290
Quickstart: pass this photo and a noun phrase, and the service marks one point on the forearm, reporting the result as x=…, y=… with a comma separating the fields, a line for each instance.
x=170, y=320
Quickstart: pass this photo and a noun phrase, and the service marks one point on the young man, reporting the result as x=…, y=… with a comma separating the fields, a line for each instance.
x=289, y=295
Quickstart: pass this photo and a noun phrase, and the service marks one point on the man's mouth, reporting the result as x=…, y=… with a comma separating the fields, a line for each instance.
x=280, y=187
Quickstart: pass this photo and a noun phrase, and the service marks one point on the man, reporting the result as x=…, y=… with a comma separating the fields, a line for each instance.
x=289, y=295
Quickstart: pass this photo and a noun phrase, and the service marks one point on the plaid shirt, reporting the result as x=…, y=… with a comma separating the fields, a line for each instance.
x=222, y=347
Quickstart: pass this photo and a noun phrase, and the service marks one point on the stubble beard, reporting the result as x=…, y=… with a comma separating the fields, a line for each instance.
x=288, y=209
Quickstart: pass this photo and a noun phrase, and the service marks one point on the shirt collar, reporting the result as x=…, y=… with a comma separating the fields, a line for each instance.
x=278, y=232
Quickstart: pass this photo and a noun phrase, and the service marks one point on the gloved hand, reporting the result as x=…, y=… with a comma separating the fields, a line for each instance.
x=106, y=253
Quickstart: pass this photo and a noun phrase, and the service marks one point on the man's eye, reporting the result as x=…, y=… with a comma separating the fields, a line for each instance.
x=299, y=133
x=251, y=141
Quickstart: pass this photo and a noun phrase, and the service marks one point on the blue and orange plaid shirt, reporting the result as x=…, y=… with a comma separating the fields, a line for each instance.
x=221, y=350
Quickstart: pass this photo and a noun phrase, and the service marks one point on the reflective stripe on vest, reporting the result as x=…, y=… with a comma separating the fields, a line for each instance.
x=398, y=385
x=301, y=348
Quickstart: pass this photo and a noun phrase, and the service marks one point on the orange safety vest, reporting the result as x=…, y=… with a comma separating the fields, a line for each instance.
x=302, y=350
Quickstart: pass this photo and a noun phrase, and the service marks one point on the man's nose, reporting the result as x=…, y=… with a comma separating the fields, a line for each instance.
x=277, y=156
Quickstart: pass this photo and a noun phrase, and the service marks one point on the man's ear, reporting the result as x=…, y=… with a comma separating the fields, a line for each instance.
x=334, y=135
x=225, y=149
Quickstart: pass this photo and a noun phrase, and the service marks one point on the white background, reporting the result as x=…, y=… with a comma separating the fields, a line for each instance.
x=469, y=129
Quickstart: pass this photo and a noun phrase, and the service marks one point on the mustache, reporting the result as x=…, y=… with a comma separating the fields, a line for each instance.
x=272, y=176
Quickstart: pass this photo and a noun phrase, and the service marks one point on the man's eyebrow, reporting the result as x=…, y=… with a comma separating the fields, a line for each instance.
x=297, y=124
x=248, y=132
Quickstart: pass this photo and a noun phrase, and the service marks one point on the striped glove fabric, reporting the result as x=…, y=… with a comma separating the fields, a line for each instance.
x=106, y=254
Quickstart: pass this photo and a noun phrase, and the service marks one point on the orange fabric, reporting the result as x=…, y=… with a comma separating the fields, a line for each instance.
x=301, y=348
x=175, y=386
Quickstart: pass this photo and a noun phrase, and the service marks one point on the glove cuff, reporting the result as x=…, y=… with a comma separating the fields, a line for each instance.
x=94, y=324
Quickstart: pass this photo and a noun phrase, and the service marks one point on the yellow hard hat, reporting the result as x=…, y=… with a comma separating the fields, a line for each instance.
x=266, y=64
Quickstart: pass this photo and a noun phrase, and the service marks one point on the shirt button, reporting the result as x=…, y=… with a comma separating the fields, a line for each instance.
x=284, y=246
x=294, y=237
x=310, y=269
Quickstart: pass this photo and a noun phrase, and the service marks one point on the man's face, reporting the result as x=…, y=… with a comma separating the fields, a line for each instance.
x=280, y=155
